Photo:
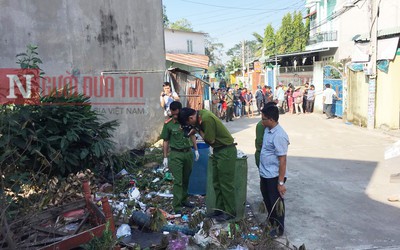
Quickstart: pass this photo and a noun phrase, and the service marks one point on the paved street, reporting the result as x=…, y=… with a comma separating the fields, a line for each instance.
x=338, y=183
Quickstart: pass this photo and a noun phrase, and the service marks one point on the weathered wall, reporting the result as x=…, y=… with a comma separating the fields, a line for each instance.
x=176, y=41
x=318, y=81
x=88, y=37
x=357, y=92
x=388, y=97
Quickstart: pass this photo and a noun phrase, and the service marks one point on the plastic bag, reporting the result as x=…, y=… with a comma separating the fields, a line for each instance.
x=123, y=230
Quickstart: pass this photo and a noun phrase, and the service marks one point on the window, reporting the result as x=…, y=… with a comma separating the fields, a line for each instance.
x=189, y=46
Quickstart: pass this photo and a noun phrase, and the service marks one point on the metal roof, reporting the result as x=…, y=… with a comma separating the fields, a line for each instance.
x=381, y=33
x=198, y=61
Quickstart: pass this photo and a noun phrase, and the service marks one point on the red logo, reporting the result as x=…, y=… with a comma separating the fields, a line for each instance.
x=19, y=86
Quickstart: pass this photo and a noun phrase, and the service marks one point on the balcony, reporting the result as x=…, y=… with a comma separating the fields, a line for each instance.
x=323, y=37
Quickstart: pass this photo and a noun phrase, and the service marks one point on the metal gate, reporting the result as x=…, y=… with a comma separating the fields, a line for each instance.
x=334, y=77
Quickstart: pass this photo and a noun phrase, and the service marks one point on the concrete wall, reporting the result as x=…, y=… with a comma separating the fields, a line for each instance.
x=176, y=41
x=354, y=21
x=88, y=37
x=318, y=82
x=357, y=92
x=388, y=97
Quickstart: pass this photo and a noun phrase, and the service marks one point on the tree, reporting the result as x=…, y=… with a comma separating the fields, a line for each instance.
x=259, y=44
x=213, y=50
x=269, y=40
x=299, y=33
x=284, y=35
x=165, y=18
x=182, y=24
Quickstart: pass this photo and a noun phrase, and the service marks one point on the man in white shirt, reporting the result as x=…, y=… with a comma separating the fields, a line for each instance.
x=328, y=100
x=167, y=96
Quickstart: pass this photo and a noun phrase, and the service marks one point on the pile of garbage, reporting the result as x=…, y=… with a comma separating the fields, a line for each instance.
x=141, y=199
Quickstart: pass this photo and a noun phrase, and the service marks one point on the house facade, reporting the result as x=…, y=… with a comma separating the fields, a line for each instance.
x=344, y=27
x=186, y=50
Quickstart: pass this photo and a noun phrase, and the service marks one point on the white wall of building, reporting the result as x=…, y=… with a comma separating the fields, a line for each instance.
x=176, y=41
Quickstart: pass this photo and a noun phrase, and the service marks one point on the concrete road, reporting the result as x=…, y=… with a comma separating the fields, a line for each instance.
x=338, y=183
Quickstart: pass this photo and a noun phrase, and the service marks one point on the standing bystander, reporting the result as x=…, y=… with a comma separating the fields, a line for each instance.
x=327, y=96
x=273, y=169
x=167, y=96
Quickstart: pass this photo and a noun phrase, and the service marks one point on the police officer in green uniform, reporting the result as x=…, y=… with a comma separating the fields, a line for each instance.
x=258, y=143
x=180, y=157
x=259, y=137
x=224, y=158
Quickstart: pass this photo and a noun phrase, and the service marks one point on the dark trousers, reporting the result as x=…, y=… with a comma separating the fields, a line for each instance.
x=328, y=110
x=229, y=113
x=259, y=105
x=310, y=106
x=271, y=196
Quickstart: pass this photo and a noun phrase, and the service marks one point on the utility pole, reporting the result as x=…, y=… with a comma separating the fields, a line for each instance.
x=276, y=67
x=243, y=62
x=372, y=65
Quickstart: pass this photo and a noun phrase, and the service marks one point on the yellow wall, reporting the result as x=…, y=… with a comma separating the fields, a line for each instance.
x=357, y=96
x=388, y=97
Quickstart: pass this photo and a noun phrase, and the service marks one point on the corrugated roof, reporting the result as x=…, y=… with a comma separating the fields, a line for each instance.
x=198, y=61
x=381, y=33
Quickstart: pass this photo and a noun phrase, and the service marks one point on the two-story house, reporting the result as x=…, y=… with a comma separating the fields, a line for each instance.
x=186, y=63
x=186, y=50
x=344, y=28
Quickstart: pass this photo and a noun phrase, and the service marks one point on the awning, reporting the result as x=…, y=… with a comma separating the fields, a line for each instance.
x=304, y=52
x=198, y=61
x=387, y=49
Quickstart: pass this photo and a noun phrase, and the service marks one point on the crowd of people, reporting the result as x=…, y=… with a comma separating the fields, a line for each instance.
x=238, y=102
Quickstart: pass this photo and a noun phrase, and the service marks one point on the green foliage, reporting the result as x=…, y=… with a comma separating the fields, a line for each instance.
x=59, y=136
x=165, y=18
x=292, y=36
x=30, y=59
x=107, y=241
x=213, y=50
x=55, y=139
x=269, y=40
x=182, y=24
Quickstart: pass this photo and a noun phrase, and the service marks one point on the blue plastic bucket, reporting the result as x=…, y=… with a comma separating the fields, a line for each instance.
x=198, y=177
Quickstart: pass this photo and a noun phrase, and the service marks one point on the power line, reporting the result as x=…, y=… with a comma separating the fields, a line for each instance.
x=229, y=33
x=225, y=7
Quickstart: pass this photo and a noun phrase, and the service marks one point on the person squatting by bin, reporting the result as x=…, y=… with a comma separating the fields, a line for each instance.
x=273, y=169
x=180, y=157
x=224, y=158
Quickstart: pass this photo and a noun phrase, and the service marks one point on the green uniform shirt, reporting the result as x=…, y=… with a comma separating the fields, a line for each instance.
x=214, y=130
x=173, y=133
x=229, y=99
x=259, y=135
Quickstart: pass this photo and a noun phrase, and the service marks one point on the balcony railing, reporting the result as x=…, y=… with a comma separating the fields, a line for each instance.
x=297, y=69
x=323, y=37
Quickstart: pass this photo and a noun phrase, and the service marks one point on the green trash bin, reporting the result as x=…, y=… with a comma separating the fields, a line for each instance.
x=240, y=187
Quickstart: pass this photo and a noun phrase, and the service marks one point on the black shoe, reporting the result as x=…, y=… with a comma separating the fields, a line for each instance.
x=224, y=217
x=188, y=204
x=214, y=214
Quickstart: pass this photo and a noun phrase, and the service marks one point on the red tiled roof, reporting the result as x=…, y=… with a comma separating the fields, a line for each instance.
x=199, y=61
